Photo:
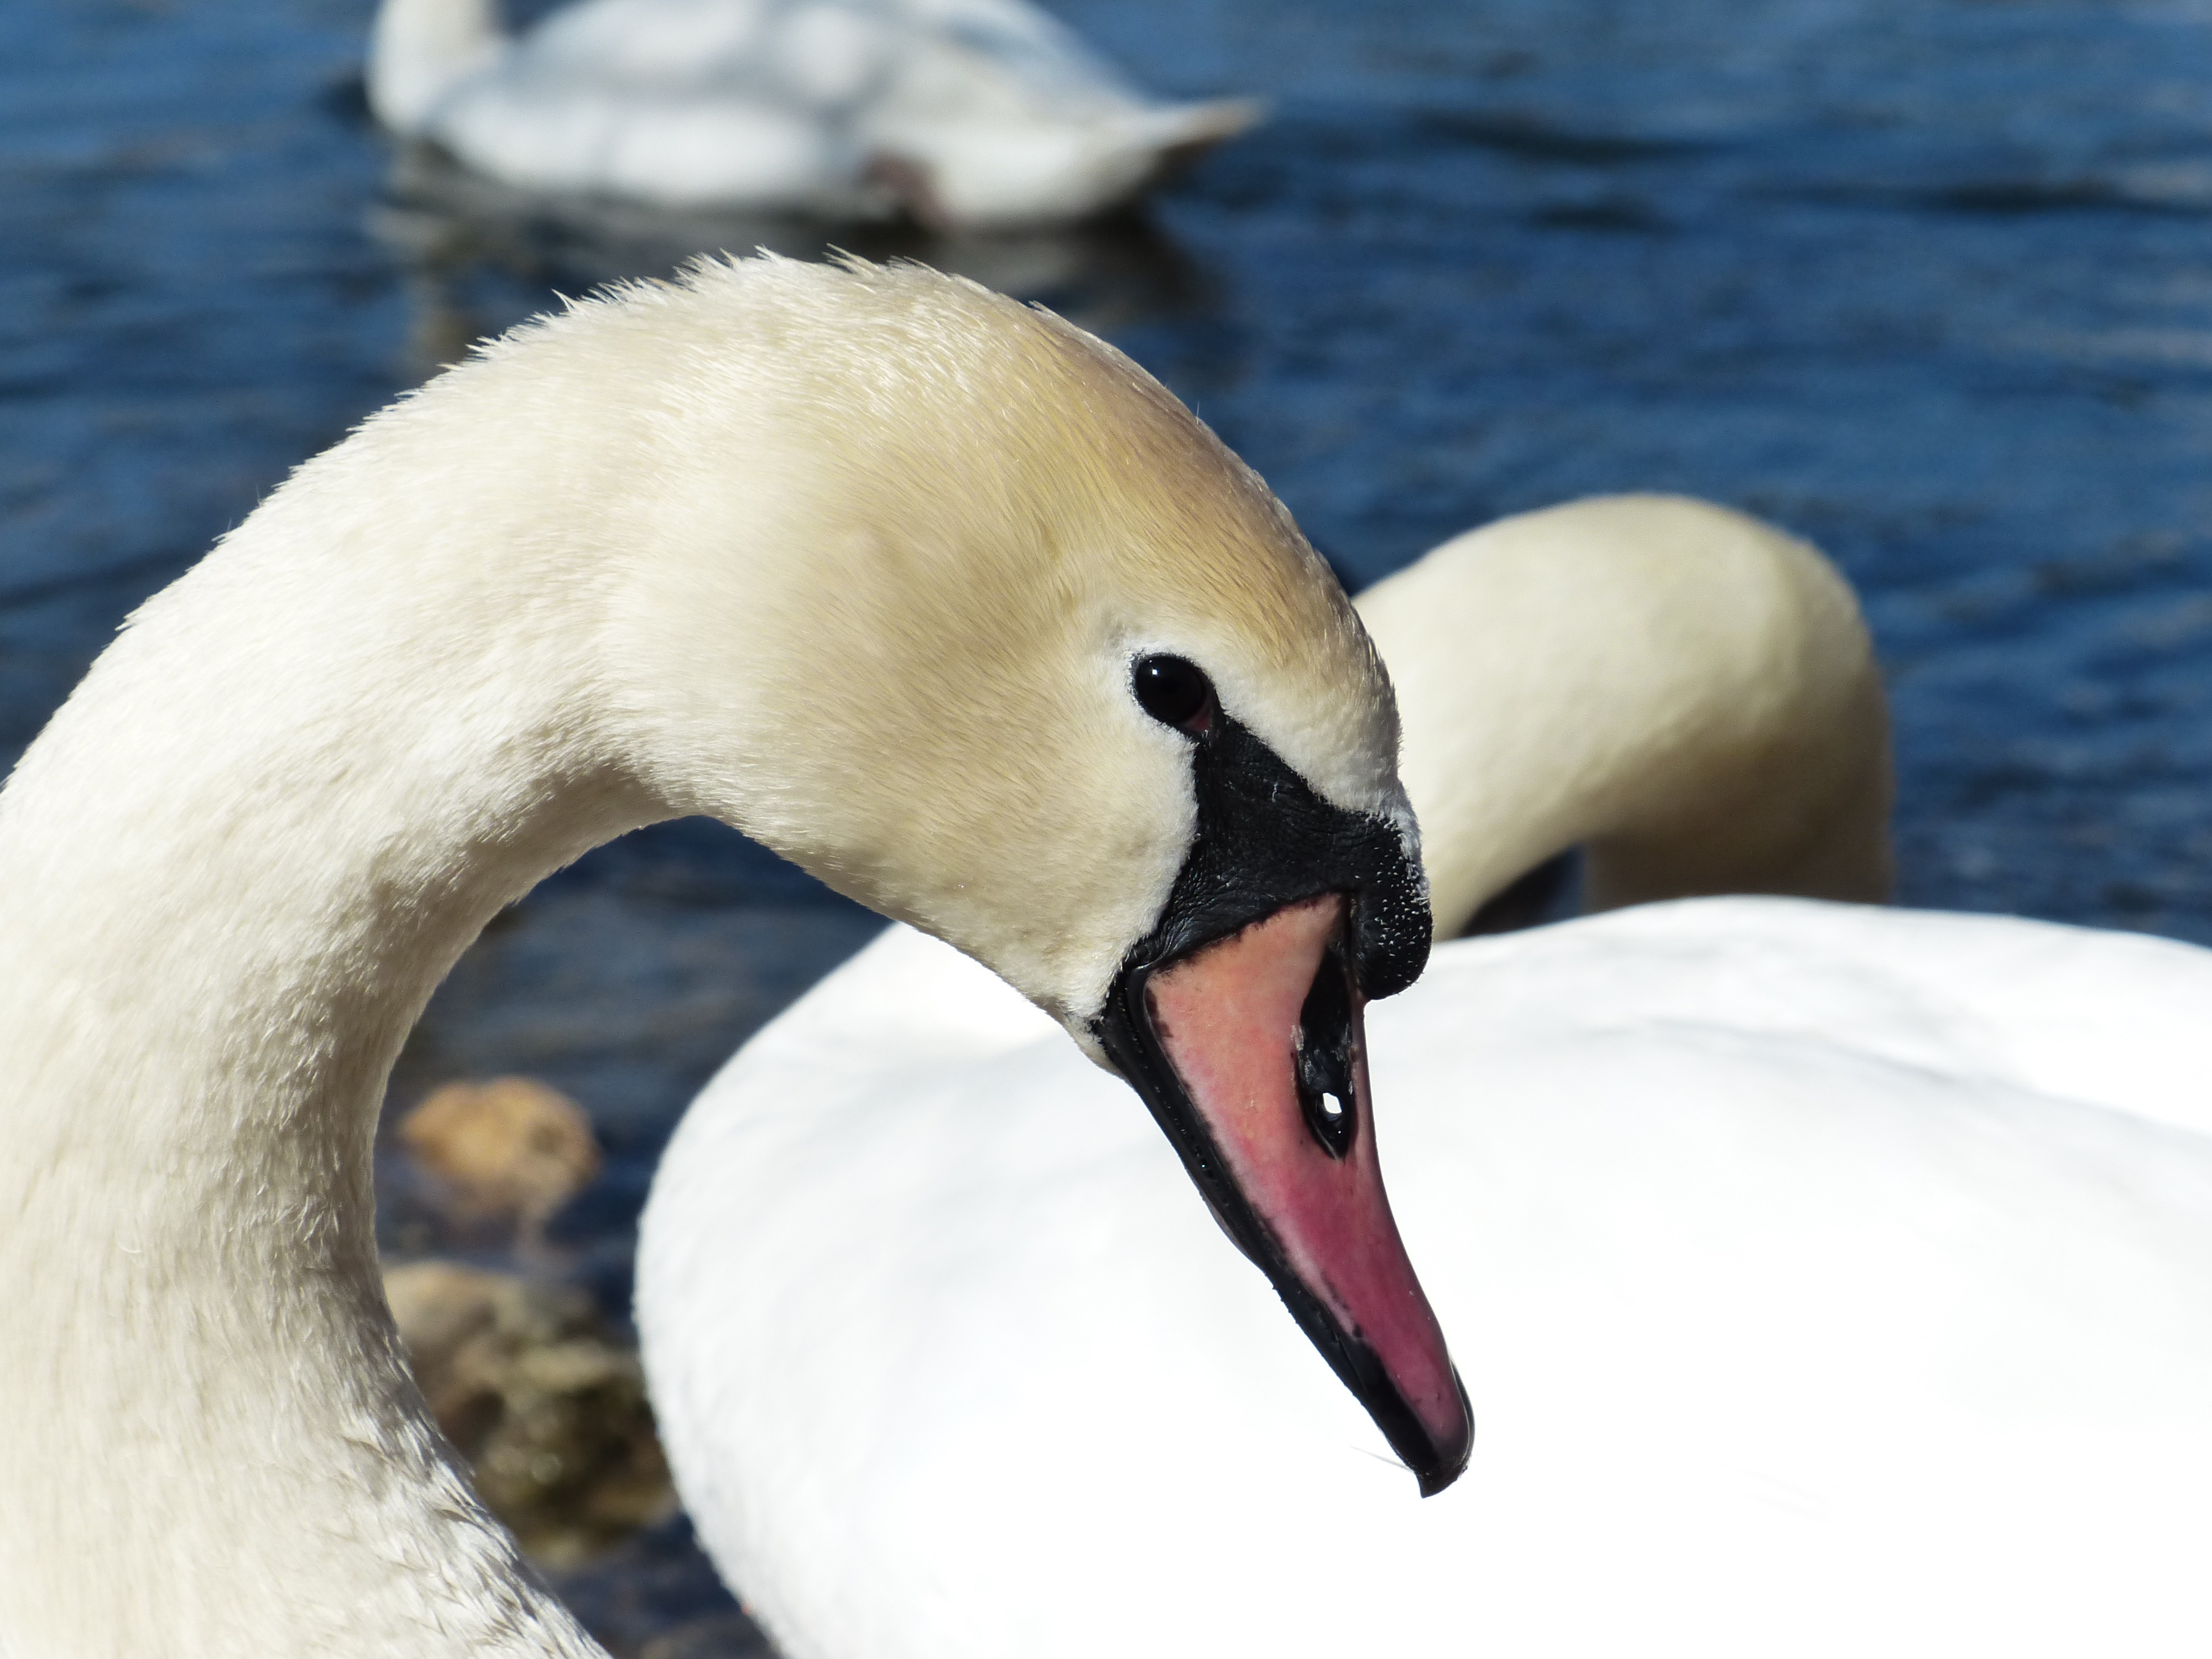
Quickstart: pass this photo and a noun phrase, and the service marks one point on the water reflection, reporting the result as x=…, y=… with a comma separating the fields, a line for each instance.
x=480, y=256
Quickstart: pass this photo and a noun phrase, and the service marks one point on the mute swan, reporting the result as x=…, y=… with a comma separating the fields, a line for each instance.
x=973, y=112
x=1837, y=1278
x=942, y=597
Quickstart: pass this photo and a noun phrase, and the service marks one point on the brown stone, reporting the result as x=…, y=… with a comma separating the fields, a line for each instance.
x=511, y=1145
x=547, y=1406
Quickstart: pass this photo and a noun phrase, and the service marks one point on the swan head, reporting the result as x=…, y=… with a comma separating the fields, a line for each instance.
x=958, y=609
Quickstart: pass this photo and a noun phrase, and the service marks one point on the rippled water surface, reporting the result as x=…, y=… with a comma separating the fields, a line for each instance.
x=1928, y=280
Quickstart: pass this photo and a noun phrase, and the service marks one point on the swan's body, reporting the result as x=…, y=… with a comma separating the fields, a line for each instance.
x=1830, y=1281
x=727, y=546
x=974, y=112
x=1840, y=1275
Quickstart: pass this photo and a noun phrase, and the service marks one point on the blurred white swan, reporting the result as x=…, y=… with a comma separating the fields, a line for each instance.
x=1839, y=1278
x=971, y=112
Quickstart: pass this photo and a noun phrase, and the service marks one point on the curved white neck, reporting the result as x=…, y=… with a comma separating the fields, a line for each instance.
x=1685, y=693
x=223, y=912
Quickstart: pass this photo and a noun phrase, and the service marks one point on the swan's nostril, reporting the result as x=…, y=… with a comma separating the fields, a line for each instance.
x=1325, y=1056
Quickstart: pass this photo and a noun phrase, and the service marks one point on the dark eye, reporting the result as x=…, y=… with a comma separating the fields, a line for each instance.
x=1176, y=692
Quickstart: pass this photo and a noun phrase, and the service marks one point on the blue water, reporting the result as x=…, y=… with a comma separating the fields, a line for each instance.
x=1929, y=281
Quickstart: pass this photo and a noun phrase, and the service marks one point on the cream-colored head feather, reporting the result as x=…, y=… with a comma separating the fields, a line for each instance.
x=918, y=558
x=856, y=559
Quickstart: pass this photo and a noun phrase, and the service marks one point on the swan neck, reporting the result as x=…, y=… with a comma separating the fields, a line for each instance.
x=226, y=899
x=1685, y=693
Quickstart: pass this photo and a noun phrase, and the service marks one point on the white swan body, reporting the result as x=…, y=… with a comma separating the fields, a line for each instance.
x=870, y=563
x=975, y=113
x=1836, y=1279
x=1839, y=1274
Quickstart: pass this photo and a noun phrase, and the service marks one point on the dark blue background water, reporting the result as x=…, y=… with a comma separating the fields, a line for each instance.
x=1928, y=280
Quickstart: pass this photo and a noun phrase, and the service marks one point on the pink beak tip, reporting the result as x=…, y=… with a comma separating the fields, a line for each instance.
x=1264, y=1031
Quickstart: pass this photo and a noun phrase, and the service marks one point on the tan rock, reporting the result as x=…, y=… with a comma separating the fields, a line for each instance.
x=511, y=1145
x=547, y=1406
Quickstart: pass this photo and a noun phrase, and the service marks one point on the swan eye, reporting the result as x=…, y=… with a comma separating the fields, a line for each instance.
x=1176, y=692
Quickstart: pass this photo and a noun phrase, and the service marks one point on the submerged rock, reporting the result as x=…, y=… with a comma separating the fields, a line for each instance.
x=508, y=1147
x=547, y=1404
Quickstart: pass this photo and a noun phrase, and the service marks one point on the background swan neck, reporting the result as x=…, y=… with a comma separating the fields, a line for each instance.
x=1684, y=692
x=231, y=871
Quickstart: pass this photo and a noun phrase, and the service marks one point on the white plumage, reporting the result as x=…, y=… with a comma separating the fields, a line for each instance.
x=1828, y=1280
